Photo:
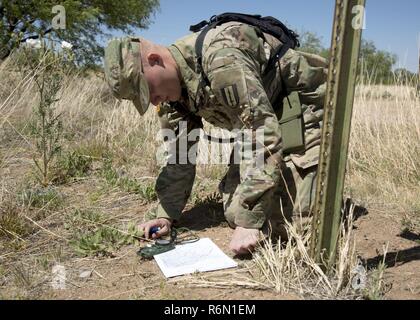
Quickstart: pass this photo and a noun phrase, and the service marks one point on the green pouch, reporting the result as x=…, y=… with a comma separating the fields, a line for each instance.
x=292, y=125
x=160, y=246
x=150, y=252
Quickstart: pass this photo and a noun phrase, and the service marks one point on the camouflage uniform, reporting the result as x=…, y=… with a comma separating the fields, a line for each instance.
x=235, y=56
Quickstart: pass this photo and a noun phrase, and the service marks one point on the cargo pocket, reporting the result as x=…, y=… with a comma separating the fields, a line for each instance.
x=304, y=168
x=307, y=160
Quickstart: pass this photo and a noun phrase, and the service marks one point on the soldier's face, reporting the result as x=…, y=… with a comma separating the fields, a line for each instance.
x=163, y=80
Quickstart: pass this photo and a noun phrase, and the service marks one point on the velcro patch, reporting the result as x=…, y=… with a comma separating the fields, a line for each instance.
x=230, y=95
x=229, y=86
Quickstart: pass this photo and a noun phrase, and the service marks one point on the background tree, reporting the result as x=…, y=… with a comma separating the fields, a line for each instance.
x=312, y=43
x=87, y=21
x=376, y=64
x=405, y=76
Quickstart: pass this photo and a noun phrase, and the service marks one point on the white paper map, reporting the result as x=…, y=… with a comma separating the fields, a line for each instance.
x=200, y=256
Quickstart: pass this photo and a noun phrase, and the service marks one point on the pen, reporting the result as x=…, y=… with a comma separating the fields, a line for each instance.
x=153, y=230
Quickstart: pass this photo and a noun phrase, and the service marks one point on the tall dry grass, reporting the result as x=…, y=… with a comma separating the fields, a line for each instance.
x=290, y=267
x=384, y=155
x=383, y=173
x=92, y=119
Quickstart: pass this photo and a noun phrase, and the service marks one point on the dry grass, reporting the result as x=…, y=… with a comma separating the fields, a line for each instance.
x=384, y=155
x=289, y=267
x=289, y=270
x=383, y=170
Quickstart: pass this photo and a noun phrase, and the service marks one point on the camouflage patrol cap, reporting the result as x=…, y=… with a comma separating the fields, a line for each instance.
x=124, y=72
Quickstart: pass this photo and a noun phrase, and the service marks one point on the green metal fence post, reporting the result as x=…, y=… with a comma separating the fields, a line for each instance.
x=345, y=48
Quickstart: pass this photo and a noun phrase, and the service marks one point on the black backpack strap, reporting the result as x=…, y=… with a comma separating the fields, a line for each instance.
x=199, y=47
x=268, y=25
x=197, y=27
x=199, y=53
x=288, y=39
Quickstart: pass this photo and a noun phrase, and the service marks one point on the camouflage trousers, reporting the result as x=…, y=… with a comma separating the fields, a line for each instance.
x=291, y=200
x=261, y=197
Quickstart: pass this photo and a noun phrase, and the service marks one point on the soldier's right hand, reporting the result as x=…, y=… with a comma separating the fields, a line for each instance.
x=162, y=223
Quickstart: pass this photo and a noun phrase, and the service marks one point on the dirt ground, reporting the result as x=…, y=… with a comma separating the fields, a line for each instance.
x=380, y=230
x=26, y=272
x=127, y=277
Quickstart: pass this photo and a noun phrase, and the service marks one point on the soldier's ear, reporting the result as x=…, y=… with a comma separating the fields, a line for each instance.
x=154, y=59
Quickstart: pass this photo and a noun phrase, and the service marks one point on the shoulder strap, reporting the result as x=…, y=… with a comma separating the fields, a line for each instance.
x=268, y=25
x=289, y=40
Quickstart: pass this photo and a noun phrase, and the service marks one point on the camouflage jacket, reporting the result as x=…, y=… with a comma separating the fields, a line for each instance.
x=242, y=94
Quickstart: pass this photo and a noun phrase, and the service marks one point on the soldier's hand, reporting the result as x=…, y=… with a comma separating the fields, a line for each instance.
x=162, y=223
x=244, y=240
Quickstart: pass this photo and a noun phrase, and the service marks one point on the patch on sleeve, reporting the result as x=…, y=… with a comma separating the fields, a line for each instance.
x=229, y=86
x=230, y=95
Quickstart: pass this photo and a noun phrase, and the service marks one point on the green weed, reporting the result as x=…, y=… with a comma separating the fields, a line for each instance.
x=12, y=224
x=43, y=261
x=93, y=237
x=46, y=67
x=376, y=285
x=95, y=195
x=44, y=198
x=72, y=165
x=94, y=149
x=104, y=241
x=83, y=220
x=113, y=178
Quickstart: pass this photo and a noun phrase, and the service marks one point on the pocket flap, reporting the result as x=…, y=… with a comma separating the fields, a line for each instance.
x=309, y=159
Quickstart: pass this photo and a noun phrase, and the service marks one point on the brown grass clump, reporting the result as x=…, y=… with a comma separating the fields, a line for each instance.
x=384, y=156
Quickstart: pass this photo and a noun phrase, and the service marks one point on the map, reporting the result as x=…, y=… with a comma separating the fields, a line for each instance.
x=200, y=256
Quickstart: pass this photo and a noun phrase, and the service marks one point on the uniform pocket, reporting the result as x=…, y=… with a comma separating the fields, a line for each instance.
x=307, y=160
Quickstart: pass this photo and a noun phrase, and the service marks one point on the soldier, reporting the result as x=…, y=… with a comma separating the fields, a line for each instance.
x=239, y=93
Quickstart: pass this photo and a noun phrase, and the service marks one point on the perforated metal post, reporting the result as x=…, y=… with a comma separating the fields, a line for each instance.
x=345, y=48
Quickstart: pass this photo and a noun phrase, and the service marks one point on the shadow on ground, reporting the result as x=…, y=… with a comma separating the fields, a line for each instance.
x=396, y=258
x=203, y=216
x=408, y=235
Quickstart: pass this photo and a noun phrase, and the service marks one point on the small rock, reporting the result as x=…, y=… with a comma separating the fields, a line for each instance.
x=359, y=277
x=85, y=274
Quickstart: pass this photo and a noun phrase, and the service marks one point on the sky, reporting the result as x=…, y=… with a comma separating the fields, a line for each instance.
x=392, y=25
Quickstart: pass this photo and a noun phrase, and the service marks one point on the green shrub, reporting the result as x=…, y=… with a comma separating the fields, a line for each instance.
x=104, y=241
x=12, y=224
x=47, y=68
x=113, y=178
x=376, y=287
x=80, y=221
x=71, y=165
x=45, y=198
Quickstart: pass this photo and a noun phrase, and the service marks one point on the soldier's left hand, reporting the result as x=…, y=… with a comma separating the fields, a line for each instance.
x=244, y=240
